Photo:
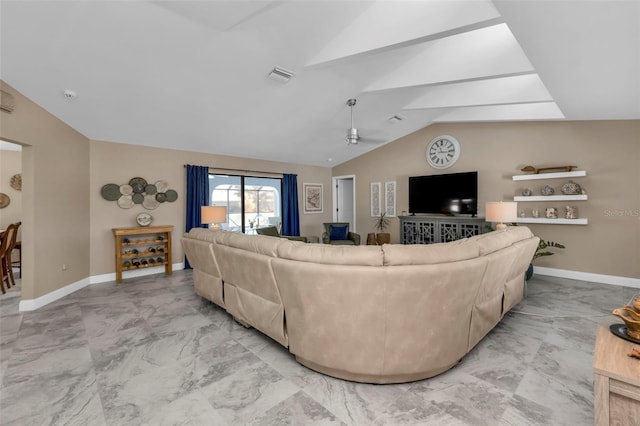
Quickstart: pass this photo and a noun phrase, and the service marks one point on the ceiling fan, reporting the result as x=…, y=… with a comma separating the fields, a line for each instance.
x=353, y=137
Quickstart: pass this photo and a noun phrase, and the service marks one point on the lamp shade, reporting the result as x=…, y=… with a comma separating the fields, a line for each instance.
x=213, y=214
x=499, y=211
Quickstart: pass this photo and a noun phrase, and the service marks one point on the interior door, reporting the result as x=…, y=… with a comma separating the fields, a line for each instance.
x=345, y=201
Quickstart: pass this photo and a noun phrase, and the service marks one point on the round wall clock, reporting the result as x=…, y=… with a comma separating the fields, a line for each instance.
x=443, y=151
x=144, y=219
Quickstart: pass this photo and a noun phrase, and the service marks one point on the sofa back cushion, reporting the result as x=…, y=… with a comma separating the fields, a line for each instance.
x=429, y=254
x=331, y=254
x=496, y=240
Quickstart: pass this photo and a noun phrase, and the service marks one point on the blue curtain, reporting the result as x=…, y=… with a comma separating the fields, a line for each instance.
x=290, y=215
x=198, y=195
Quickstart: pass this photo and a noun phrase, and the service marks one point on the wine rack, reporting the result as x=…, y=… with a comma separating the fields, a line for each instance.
x=142, y=247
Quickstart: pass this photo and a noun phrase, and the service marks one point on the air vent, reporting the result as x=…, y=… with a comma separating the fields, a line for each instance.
x=396, y=118
x=8, y=102
x=281, y=75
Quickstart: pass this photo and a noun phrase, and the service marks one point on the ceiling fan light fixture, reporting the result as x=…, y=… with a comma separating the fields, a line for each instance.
x=352, y=136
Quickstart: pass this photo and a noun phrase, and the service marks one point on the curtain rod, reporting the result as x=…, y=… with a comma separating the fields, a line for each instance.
x=242, y=170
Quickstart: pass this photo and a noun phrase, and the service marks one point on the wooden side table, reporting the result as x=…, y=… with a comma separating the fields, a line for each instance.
x=616, y=384
x=142, y=247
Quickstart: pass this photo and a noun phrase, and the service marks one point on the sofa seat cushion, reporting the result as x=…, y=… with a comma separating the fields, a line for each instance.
x=429, y=254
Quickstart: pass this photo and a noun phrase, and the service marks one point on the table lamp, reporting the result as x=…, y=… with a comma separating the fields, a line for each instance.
x=500, y=212
x=213, y=215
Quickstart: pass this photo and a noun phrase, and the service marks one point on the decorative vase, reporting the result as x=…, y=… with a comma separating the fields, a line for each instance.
x=551, y=213
x=547, y=190
x=571, y=188
x=571, y=212
x=529, y=273
x=383, y=238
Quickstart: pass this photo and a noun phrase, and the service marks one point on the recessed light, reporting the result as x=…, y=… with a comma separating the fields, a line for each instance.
x=329, y=159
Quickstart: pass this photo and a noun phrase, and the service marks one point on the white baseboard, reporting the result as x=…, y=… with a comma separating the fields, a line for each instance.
x=97, y=279
x=587, y=276
x=39, y=302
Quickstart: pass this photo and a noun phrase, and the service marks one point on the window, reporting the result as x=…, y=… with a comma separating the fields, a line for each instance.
x=252, y=202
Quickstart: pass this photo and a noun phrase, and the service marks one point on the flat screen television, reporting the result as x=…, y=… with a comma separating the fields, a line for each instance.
x=450, y=194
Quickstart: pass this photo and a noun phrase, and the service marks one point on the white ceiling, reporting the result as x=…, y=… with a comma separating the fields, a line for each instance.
x=192, y=75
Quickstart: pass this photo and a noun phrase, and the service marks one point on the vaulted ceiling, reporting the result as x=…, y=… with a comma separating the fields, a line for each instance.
x=194, y=75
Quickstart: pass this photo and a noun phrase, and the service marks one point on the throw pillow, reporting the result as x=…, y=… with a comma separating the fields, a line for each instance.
x=338, y=232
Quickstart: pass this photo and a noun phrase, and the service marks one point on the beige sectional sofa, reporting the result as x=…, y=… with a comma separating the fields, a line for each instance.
x=375, y=314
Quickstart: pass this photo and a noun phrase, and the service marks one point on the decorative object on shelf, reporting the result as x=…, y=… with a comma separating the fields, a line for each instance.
x=551, y=213
x=312, y=198
x=570, y=212
x=547, y=190
x=571, y=188
x=522, y=213
x=16, y=182
x=4, y=200
x=213, y=215
x=443, y=152
x=535, y=213
x=546, y=169
x=139, y=191
x=144, y=219
x=527, y=192
x=500, y=212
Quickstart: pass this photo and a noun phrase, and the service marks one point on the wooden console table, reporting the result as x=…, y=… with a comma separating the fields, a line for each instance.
x=142, y=247
x=616, y=384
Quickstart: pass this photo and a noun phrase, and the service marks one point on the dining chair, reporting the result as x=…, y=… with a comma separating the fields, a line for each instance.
x=5, y=240
x=10, y=248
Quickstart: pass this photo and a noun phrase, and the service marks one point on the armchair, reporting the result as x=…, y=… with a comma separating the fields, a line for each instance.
x=272, y=231
x=338, y=233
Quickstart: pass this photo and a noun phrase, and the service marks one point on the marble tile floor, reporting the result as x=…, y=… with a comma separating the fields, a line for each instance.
x=152, y=352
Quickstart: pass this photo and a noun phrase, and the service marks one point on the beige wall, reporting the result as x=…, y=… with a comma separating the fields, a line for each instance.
x=55, y=193
x=118, y=163
x=608, y=150
x=10, y=164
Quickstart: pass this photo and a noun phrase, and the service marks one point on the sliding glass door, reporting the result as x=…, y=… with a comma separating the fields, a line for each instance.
x=252, y=202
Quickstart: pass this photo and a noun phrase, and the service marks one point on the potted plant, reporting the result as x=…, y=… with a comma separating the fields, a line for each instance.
x=541, y=251
x=381, y=223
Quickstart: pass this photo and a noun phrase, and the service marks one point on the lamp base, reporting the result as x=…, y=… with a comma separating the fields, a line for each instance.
x=501, y=226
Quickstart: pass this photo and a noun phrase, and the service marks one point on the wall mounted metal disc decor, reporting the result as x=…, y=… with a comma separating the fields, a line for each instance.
x=139, y=191
x=4, y=200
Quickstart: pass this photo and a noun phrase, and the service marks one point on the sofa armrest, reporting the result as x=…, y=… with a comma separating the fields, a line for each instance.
x=354, y=237
x=325, y=238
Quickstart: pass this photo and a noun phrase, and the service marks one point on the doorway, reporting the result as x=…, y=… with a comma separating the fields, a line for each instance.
x=344, y=200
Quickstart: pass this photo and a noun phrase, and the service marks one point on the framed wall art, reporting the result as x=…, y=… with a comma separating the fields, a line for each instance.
x=390, y=198
x=376, y=199
x=312, y=198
